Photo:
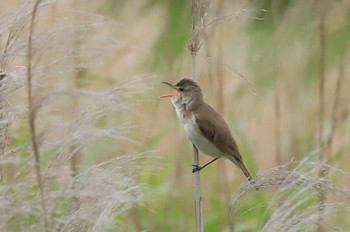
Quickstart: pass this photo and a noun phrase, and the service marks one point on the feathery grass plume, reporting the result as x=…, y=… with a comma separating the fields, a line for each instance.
x=82, y=130
x=294, y=206
x=95, y=198
x=103, y=193
x=12, y=77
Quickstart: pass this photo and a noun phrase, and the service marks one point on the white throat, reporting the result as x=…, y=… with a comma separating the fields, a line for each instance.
x=182, y=104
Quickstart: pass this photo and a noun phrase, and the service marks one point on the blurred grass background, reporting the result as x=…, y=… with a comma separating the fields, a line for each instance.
x=275, y=44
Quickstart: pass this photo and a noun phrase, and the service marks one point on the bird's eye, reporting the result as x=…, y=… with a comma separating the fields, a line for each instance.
x=181, y=89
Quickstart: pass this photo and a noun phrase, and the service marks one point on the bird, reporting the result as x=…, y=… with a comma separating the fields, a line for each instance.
x=204, y=127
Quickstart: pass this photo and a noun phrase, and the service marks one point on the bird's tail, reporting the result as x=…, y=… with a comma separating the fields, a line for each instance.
x=241, y=165
x=245, y=171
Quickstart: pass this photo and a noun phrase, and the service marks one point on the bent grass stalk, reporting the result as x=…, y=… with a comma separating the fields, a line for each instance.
x=31, y=116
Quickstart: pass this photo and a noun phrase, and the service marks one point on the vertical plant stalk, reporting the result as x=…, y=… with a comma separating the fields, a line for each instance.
x=220, y=99
x=322, y=171
x=321, y=84
x=219, y=70
x=3, y=146
x=278, y=128
x=78, y=82
x=334, y=118
x=328, y=145
x=222, y=172
x=31, y=116
x=194, y=47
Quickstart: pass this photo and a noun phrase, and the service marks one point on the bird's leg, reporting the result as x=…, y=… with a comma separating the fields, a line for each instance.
x=197, y=168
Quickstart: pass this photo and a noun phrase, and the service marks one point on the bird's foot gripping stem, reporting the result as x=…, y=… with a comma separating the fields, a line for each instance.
x=196, y=168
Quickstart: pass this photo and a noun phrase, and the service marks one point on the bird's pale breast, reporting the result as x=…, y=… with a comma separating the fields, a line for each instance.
x=195, y=136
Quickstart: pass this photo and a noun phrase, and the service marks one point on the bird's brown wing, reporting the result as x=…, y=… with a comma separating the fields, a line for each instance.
x=216, y=130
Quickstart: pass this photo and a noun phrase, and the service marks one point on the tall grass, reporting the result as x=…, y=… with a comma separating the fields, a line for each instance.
x=260, y=67
x=38, y=190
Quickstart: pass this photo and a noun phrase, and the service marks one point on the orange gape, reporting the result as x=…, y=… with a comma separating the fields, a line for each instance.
x=168, y=95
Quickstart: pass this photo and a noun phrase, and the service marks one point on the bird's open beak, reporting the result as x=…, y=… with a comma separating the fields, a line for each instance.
x=167, y=83
x=169, y=95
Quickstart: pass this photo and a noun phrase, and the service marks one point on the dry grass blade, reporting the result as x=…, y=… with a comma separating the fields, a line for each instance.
x=239, y=14
x=229, y=69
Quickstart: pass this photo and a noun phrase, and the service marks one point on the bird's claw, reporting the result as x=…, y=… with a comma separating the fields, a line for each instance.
x=196, y=168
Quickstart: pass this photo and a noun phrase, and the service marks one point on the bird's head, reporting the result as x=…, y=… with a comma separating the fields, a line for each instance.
x=187, y=91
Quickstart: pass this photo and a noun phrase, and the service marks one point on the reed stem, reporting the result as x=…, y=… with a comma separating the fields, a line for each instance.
x=193, y=47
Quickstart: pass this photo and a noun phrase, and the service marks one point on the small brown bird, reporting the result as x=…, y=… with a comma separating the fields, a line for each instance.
x=204, y=127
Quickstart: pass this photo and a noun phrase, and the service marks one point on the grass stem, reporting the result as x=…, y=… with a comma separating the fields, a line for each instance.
x=321, y=113
x=32, y=114
x=193, y=47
